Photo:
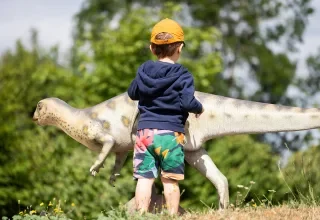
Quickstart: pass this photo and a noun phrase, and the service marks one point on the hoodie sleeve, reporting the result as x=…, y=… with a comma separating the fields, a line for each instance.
x=133, y=90
x=188, y=101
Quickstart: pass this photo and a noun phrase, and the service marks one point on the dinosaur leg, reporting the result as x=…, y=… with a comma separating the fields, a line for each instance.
x=120, y=159
x=202, y=162
x=108, y=143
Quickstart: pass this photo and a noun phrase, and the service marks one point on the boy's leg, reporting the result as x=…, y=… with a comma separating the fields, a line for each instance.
x=172, y=194
x=143, y=194
x=145, y=168
x=172, y=167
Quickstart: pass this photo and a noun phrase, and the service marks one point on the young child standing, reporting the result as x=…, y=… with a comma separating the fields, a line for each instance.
x=165, y=91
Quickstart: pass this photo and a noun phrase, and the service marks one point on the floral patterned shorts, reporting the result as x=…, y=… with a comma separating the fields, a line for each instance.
x=156, y=149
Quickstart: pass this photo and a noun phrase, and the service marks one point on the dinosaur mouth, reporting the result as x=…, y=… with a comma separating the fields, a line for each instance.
x=35, y=119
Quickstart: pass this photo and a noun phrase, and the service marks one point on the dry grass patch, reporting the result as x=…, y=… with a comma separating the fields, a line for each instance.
x=274, y=213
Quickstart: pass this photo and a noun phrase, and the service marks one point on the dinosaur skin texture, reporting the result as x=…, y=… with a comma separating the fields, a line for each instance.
x=110, y=127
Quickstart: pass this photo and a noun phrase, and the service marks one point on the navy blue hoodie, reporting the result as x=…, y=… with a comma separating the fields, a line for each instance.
x=166, y=94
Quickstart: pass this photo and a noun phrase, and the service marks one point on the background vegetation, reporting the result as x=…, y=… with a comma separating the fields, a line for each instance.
x=228, y=51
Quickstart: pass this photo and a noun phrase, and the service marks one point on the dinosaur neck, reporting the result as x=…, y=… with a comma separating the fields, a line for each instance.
x=67, y=118
x=227, y=116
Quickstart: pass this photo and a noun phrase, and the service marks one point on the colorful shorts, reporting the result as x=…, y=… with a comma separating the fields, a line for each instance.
x=156, y=149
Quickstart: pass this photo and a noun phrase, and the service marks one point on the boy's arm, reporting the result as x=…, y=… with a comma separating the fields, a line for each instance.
x=133, y=90
x=188, y=101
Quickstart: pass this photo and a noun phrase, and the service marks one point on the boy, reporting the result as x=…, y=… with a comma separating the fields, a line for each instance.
x=165, y=91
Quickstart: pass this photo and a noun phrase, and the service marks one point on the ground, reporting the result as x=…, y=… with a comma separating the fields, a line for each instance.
x=281, y=212
x=273, y=213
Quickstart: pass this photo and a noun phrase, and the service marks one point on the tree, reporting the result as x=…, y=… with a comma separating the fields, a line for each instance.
x=305, y=93
x=309, y=85
x=111, y=53
x=40, y=164
x=243, y=39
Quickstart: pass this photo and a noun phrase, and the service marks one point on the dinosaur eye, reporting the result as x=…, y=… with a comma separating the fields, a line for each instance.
x=39, y=105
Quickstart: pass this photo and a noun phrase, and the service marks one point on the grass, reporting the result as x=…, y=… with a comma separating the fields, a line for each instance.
x=241, y=210
x=53, y=210
x=261, y=209
x=299, y=207
x=274, y=213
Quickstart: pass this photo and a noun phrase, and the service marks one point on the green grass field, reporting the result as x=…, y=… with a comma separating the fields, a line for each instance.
x=290, y=211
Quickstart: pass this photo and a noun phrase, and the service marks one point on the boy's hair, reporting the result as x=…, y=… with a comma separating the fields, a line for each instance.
x=164, y=50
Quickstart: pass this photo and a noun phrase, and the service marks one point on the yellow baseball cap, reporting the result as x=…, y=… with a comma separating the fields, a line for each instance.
x=169, y=26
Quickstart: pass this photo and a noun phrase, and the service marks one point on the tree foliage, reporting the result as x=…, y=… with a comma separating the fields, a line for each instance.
x=39, y=164
x=305, y=93
x=243, y=39
x=309, y=85
x=112, y=53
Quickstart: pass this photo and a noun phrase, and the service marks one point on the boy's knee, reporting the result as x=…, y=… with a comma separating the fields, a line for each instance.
x=165, y=180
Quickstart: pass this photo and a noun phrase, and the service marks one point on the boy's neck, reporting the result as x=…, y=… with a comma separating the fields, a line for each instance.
x=167, y=60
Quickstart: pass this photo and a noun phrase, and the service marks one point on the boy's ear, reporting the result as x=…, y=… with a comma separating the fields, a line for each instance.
x=180, y=48
x=151, y=49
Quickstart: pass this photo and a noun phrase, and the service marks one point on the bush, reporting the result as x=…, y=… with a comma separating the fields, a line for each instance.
x=302, y=175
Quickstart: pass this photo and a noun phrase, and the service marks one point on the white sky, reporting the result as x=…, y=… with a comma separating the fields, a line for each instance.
x=53, y=20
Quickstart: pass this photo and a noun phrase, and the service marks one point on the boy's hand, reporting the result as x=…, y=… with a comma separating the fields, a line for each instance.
x=198, y=115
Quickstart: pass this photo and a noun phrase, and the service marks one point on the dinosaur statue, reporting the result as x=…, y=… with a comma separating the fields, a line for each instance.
x=110, y=127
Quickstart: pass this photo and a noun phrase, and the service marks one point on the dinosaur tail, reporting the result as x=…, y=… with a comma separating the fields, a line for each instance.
x=228, y=116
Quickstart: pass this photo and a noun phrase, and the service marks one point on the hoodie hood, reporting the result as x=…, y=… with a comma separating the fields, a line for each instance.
x=154, y=78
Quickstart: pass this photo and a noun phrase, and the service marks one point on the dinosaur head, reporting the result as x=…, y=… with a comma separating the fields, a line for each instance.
x=45, y=112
